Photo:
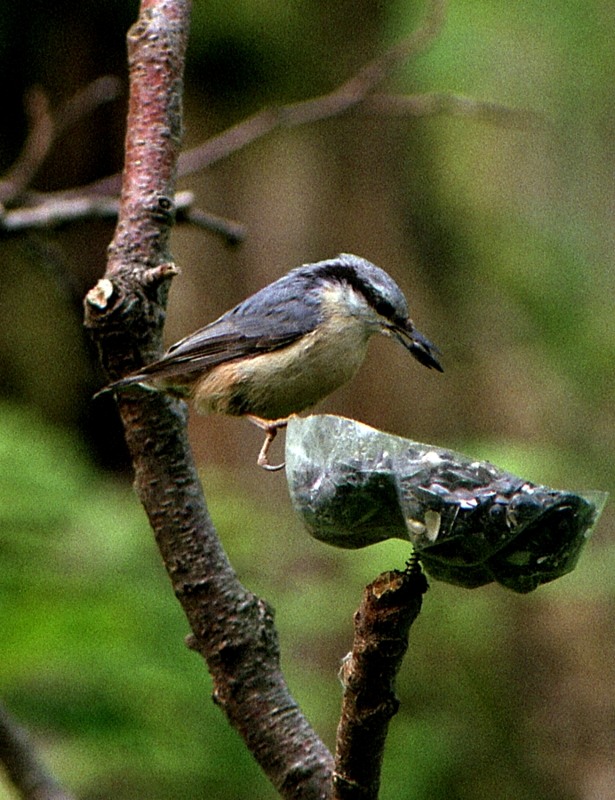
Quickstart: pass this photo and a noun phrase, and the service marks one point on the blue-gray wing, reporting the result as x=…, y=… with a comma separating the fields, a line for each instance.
x=271, y=319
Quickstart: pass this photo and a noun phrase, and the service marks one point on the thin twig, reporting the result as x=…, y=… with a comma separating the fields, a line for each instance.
x=35, y=149
x=233, y=232
x=432, y=104
x=22, y=765
x=97, y=200
x=48, y=210
x=64, y=207
x=100, y=91
x=348, y=95
x=46, y=127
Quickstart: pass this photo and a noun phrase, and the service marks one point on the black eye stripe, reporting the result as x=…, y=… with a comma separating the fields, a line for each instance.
x=347, y=274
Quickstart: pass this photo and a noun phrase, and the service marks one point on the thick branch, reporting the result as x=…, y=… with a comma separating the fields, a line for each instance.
x=231, y=628
x=21, y=764
x=389, y=607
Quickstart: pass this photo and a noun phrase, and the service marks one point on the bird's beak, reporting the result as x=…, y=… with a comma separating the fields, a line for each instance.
x=414, y=341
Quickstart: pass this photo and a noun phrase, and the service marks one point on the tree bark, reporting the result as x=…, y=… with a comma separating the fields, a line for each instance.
x=231, y=628
x=382, y=622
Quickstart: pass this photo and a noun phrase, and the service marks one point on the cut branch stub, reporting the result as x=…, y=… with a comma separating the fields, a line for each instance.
x=126, y=314
x=389, y=607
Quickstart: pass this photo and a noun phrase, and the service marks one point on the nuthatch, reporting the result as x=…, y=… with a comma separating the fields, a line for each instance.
x=288, y=346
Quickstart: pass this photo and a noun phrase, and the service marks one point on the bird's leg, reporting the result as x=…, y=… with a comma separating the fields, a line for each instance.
x=271, y=427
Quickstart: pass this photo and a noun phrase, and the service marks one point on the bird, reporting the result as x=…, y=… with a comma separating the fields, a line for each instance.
x=287, y=346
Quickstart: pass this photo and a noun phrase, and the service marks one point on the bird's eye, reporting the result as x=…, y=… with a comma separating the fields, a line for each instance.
x=385, y=309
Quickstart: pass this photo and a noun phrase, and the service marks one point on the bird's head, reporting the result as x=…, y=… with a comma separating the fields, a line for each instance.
x=367, y=292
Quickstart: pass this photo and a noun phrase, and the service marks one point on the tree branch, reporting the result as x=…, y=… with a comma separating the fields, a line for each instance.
x=348, y=95
x=35, y=149
x=231, y=628
x=431, y=104
x=46, y=127
x=389, y=607
x=98, y=200
x=22, y=766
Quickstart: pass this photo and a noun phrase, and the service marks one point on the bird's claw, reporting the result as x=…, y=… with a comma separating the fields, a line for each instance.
x=271, y=428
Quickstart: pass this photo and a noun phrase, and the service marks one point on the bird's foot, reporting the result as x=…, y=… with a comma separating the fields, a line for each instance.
x=271, y=428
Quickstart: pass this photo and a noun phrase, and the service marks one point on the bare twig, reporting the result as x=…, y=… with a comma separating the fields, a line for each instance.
x=432, y=104
x=35, y=149
x=233, y=232
x=22, y=765
x=346, y=96
x=56, y=210
x=85, y=101
x=48, y=210
x=97, y=200
x=389, y=607
x=45, y=128
x=65, y=207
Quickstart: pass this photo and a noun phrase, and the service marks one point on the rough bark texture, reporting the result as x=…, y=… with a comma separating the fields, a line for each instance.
x=232, y=629
x=389, y=607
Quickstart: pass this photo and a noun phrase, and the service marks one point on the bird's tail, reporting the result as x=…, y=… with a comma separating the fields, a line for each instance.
x=130, y=380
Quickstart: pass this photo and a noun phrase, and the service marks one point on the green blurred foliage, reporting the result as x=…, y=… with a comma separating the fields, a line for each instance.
x=94, y=664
